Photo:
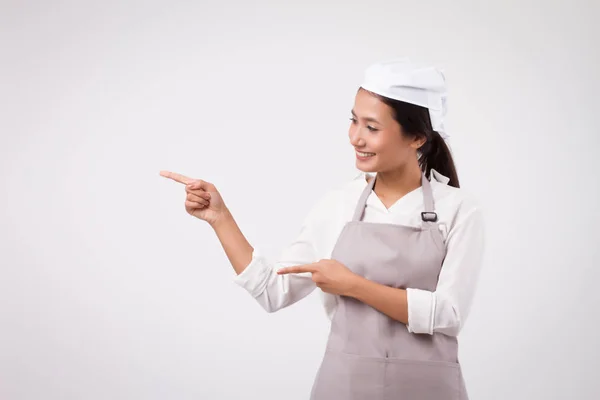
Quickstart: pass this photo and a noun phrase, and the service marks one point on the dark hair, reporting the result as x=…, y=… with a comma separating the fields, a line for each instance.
x=415, y=122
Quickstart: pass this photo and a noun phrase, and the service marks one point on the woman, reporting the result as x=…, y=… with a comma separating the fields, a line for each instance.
x=395, y=252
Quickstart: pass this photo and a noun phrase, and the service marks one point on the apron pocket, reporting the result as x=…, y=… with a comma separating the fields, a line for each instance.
x=344, y=376
x=421, y=380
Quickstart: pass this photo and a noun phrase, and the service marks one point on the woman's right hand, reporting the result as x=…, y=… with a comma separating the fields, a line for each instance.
x=202, y=199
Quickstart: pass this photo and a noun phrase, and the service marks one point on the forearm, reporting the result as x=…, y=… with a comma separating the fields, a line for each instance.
x=258, y=275
x=388, y=300
x=236, y=247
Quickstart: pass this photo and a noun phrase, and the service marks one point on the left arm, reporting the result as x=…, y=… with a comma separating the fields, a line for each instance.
x=390, y=301
x=444, y=310
x=335, y=278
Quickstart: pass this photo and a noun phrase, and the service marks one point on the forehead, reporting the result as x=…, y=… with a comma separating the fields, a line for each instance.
x=368, y=105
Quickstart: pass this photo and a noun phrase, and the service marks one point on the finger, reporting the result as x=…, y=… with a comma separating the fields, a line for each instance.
x=298, y=269
x=193, y=205
x=176, y=177
x=197, y=192
x=193, y=198
x=198, y=184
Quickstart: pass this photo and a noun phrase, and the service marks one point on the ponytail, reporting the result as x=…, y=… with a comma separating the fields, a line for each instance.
x=435, y=154
x=416, y=122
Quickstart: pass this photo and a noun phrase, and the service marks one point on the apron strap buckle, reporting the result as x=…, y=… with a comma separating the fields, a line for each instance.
x=429, y=216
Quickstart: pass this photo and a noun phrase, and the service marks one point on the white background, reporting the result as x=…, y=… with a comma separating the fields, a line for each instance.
x=109, y=290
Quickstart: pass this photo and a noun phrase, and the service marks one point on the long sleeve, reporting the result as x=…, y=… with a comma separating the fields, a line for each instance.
x=272, y=291
x=446, y=309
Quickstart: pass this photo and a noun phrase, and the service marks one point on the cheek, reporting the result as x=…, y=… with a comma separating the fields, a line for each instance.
x=391, y=148
x=383, y=143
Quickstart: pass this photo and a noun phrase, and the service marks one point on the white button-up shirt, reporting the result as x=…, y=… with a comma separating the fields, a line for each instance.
x=443, y=310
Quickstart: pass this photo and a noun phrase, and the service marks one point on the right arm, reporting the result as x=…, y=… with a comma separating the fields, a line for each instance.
x=255, y=273
x=236, y=247
x=258, y=275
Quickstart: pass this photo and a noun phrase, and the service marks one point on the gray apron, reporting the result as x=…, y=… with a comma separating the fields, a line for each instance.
x=370, y=356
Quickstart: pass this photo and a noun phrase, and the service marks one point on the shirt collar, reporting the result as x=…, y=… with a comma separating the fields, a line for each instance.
x=435, y=175
x=438, y=177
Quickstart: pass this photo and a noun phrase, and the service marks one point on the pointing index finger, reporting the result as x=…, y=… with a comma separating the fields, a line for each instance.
x=298, y=269
x=176, y=177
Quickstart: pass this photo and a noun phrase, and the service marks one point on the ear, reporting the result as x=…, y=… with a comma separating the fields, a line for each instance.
x=418, y=142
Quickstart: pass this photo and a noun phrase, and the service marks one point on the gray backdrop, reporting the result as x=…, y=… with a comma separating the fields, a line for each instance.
x=109, y=290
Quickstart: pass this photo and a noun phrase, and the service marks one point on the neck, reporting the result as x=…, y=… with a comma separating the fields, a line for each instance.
x=396, y=183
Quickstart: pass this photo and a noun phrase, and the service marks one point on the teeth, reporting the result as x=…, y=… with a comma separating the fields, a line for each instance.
x=365, y=154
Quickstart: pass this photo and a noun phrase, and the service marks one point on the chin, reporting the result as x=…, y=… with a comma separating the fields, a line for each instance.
x=365, y=168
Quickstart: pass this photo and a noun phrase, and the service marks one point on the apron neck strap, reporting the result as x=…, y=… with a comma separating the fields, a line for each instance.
x=362, y=201
x=428, y=215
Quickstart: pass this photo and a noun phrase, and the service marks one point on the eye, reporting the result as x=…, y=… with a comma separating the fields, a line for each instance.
x=353, y=120
x=369, y=127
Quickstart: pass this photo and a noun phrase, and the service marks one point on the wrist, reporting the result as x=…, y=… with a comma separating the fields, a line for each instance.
x=356, y=286
x=224, y=218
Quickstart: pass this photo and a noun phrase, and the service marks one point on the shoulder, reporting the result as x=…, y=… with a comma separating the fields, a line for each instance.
x=457, y=204
x=459, y=197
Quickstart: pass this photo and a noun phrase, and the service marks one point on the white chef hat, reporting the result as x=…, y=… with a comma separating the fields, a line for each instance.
x=404, y=80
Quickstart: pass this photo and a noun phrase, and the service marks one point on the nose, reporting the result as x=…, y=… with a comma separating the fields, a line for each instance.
x=355, y=138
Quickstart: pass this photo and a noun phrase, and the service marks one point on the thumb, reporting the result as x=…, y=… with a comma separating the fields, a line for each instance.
x=200, y=184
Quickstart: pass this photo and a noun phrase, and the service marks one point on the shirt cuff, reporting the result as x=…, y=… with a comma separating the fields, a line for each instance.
x=255, y=276
x=421, y=310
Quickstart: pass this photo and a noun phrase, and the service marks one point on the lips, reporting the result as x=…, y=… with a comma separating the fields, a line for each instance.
x=364, y=154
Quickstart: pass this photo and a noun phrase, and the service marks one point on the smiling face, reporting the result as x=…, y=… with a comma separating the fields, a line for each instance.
x=377, y=137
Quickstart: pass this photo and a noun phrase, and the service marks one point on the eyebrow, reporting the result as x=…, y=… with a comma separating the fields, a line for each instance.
x=366, y=118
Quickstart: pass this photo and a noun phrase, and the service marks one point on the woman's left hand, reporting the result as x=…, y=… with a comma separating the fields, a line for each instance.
x=330, y=276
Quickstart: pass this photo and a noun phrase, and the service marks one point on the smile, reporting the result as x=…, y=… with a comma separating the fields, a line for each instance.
x=361, y=154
